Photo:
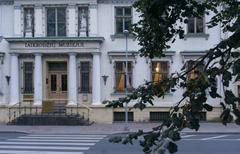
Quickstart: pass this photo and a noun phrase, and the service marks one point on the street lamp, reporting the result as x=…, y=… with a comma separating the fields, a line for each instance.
x=126, y=33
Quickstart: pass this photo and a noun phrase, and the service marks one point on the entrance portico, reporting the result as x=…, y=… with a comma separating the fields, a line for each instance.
x=54, y=79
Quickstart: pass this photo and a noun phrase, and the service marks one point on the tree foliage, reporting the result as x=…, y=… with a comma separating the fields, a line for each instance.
x=161, y=23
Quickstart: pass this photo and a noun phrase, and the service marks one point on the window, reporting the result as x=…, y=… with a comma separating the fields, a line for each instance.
x=85, y=77
x=28, y=77
x=28, y=22
x=160, y=70
x=123, y=19
x=83, y=21
x=193, y=73
x=56, y=21
x=195, y=25
x=120, y=77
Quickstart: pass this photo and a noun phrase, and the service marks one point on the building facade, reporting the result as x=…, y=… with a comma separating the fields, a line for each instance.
x=74, y=52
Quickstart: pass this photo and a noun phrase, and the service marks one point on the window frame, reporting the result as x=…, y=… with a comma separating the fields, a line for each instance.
x=89, y=76
x=164, y=73
x=123, y=18
x=56, y=20
x=23, y=76
x=130, y=74
x=195, y=25
x=187, y=66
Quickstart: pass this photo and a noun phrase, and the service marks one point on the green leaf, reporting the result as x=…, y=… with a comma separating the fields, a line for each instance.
x=172, y=147
x=229, y=97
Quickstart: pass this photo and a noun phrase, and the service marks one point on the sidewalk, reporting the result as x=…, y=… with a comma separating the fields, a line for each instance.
x=113, y=128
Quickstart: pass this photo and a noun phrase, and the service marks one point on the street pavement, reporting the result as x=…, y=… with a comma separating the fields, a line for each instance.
x=191, y=143
x=210, y=143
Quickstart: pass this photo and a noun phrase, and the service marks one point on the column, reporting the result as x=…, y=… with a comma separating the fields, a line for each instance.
x=17, y=21
x=93, y=23
x=96, y=80
x=72, y=20
x=38, y=79
x=72, y=79
x=14, y=80
x=38, y=16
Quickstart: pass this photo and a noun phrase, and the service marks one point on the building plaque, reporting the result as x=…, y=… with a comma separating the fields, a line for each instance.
x=54, y=44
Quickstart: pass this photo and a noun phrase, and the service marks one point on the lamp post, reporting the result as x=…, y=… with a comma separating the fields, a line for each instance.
x=126, y=33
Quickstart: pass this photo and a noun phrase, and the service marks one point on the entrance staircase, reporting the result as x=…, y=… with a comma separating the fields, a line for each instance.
x=30, y=115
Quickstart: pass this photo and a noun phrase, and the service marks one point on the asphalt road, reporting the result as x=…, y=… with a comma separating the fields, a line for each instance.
x=190, y=144
x=18, y=143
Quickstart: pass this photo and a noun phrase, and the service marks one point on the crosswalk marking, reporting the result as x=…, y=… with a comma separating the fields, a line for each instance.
x=43, y=147
x=64, y=135
x=49, y=144
x=187, y=136
x=58, y=137
x=214, y=137
x=53, y=140
x=46, y=143
x=35, y=152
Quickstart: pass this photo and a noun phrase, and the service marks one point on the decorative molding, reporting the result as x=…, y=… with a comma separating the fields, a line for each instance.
x=168, y=55
x=17, y=7
x=114, y=54
x=16, y=39
x=38, y=6
x=122, y=36
x=191, y=55
x=72, y=5
x=196, y=35
x=6, y=2
x=93, y=6
x=116, y=1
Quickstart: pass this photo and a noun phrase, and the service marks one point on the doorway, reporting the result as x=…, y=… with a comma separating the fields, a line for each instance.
x=57, y=80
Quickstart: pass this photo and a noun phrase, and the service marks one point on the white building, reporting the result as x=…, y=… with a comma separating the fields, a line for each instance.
x=73, y=51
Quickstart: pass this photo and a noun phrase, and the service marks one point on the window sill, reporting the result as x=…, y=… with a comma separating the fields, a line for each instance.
x=122, y=36
x=120, y=93
x=196, y=35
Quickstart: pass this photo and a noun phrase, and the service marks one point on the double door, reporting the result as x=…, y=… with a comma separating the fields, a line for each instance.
x=58, y=85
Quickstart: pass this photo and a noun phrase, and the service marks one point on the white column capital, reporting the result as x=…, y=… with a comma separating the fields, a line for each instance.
x=14, y=54
x=93, y=6
x=17, y=7
x=38, y=54
x=96, y=53
x=72, y=54
x=72, y=5
x=38, y=6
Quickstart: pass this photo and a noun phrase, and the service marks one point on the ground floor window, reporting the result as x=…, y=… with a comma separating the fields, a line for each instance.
x=160, y=70
x=28, y=77
x=120, y=76
x=193, y=74
x=85, y=77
